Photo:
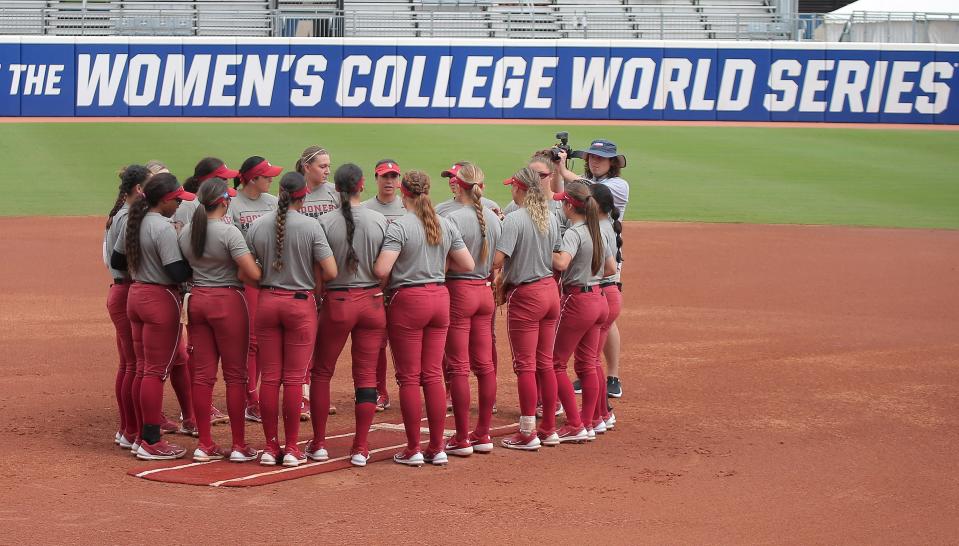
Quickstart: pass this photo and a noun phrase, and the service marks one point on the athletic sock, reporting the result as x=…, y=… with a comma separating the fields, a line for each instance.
x=292, y=398
x=547, y=380
x=118, y=391
x=460, y=393
x=129, y=408
x=526, y=385
x=135, y=389
x=381, y=373
x=601, y=412
x=564, y=390
x=270, y=412
x=410, y=408
x=151, y=400
x=180, y=380
x=436, y=414
x=364, y=419
x=319, y=407
x=486, y=394
x=590, y=386
x=236, y=395
x=203, y=403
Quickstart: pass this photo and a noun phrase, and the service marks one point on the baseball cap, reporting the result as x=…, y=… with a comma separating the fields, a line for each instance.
x=602, y=148
x=222, y=171
x=563, y=196
x=179, y=193
x=263, y=168
x=388, y=167
x=453, y=174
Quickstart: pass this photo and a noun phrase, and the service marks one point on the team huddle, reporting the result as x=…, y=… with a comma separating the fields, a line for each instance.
x=218, y=272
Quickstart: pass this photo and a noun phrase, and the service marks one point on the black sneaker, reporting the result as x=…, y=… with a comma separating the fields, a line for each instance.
x=613, y=388
x=577, y=387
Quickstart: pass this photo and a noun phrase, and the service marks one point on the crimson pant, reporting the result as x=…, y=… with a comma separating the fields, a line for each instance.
x=614, y=302
x=252, y=298
x=126, y=372
x=356, y=313
x=154, y=312
x=532, y=311
x=581, y=317
x=381, y=367
x=469, y=345
x=285, y=331
x=419, y=318
x=219, y=329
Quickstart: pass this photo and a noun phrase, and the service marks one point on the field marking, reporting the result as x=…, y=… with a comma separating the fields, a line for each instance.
x=310, y=465
x=495, y=121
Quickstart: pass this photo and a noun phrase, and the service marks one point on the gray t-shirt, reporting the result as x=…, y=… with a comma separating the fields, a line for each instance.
x=392, y=210
x=243, y=210
x=620, y=190
x=578, y=244
x=609, y=239
x=369, y=230
x=184, y=212
x=303, y=244
x=469, y=228
x=158, y=247
x=555, y=206
x=530, y=252
x=419, y=262
x=323, y=199
x=452, y=205
x=217, y=267
x=110, y=237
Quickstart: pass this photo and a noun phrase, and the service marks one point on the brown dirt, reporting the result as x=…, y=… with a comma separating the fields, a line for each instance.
x=783, y=384
x=493, y=121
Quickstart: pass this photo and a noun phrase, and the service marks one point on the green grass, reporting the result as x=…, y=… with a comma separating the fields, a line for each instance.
x=713, y=174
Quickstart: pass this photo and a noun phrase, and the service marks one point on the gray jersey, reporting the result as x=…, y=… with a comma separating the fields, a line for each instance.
x=184, y=213
x=392, y=210
x=158, y=247
x=449, y=207
x=609, y=239
x=530, y=252
x=419, y=262
x=323, y=199
x=243, y=210
x=369, y=230
x=620, y=190
x=578, y=244
x=217, y=267
x=110, y=239
x=303, y=244
x=555, y=206
x=469, y=228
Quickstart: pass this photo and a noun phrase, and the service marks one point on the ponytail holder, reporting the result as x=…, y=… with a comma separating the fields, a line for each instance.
x=300, y=193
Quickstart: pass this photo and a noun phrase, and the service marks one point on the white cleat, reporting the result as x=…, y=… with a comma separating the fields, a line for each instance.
x=359, y=458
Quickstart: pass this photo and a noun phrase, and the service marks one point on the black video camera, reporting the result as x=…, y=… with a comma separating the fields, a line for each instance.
x=562, y=146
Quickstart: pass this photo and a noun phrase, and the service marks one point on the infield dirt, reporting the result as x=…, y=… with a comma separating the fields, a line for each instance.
x=782, y=384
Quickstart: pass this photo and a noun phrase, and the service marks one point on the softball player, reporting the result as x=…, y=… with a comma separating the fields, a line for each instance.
x=583, y=260
x=218, y=322
x=287, y=244
x=454, y=203
x=603, y=165
x=205, y=169
x=542, y=163
x=414, y=259
x=252, y=201
x=469, y=341
x=524, y=252
x=314, y=165
x=612, y=289
x=132, y=179
x=352, y=307
x=147, y=248
x=388, y=203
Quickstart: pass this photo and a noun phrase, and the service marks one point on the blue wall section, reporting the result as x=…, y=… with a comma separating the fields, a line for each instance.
x=439, y=78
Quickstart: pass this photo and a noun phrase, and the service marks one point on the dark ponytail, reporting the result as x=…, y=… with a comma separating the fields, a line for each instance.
x=349, y=181
x=604, y=198
x=290, y=183
x=154, y=190
x=580, y=191
x=209, y=196
x=204, y=167
x=130, y=177
x=250, y=162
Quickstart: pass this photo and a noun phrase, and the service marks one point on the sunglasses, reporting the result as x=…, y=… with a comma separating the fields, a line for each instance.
x=544, y=176
x=178, y=200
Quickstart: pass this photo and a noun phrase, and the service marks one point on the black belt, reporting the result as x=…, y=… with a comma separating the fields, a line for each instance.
x=611, y=283
x=348, y=288
x=122, y=281
x=567, y=289
x=415, y=285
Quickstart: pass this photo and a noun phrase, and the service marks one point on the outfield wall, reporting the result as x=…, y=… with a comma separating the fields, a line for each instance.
x=438, y=78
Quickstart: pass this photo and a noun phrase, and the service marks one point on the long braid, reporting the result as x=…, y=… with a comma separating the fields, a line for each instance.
x=349, y=181
x=281, y=209
x=130, y=177
x=418, y=183
x=473, y=175
x=535, y=201
x=618, y=229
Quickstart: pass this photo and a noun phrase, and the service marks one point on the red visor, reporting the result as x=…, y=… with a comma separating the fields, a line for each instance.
x=513, y=180
x=563, y=196
x=179, y=193
x=220, y=172
x=387, y=168
x=263, y=168
x=300, y=193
